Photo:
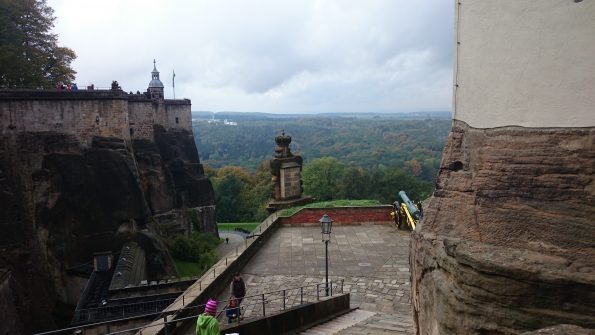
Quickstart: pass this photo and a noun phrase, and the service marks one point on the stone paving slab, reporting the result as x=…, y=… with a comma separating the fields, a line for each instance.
x=371, y=260
x=340, y=323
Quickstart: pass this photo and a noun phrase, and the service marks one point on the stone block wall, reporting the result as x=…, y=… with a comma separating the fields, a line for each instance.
x=160, y=115
x=105, y=116
x=91, y=113
x=141, y=114
x=178, y=114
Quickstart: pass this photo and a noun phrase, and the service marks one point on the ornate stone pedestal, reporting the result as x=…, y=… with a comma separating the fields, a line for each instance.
x=287, y=183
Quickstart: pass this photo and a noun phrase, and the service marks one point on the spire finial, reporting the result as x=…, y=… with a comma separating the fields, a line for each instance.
x=155, y=82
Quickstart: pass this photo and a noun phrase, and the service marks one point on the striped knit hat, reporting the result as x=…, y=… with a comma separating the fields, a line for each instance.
x=211, y=307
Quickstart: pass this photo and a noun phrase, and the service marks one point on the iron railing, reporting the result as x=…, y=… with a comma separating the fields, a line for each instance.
x=93, y=315
x=253, y=306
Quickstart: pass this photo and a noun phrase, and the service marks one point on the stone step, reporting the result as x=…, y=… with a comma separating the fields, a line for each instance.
x=339, y=323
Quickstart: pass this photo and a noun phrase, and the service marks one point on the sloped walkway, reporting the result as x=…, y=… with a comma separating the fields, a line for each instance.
x=342, y=322
x=372, y=260
x=381, y=324
x=235, y=240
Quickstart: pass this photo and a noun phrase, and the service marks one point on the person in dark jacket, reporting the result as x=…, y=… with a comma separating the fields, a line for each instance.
x=237, y=288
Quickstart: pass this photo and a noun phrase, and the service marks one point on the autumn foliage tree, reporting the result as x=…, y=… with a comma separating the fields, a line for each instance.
x=242, y=196
x=29, y=51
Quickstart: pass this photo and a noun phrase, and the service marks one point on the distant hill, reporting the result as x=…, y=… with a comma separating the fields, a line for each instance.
x=266, y=116
x=412, y=141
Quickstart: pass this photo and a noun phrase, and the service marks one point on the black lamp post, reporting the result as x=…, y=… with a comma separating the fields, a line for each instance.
x=326, y=224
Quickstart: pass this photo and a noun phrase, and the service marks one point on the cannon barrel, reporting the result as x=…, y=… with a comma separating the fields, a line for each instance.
x=410, y=205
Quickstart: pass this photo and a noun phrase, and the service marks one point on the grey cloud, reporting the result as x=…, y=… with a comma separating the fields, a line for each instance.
x=300, y=56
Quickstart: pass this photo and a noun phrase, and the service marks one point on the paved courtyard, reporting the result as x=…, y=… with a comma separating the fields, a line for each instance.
x=372, y=261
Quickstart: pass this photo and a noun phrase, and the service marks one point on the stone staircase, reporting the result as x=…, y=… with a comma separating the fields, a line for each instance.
x=339, y=323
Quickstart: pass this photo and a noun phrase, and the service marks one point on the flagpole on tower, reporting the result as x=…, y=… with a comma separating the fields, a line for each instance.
x=173, y=82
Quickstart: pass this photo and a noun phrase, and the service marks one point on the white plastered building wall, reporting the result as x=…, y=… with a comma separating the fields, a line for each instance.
x=525, y=63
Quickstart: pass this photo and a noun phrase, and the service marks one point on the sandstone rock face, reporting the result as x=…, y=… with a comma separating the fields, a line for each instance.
x=173, y=179
x=61, y=201
x=506, y=243
x=11, y=324
x=562, y=330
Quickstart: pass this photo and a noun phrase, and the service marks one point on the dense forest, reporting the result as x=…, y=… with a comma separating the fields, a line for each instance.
x=345, y=157
x=413, y=145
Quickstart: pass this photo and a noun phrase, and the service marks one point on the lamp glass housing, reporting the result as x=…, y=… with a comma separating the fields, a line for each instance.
x=326, y=224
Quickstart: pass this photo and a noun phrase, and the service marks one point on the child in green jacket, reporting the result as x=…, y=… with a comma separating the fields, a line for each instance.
x=206, y=324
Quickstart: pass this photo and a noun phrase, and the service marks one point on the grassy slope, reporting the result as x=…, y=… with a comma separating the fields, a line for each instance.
x=231, y=226
x=329, y=204
x=187, y=269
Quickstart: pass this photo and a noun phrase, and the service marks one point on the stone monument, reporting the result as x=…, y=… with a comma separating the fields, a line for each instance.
x=287, y=183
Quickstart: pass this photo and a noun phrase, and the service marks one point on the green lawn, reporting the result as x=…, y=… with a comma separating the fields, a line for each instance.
x=330, y=204
x=187, y=269
x=250, y=226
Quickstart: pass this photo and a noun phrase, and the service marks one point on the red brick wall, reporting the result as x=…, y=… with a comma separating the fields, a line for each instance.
x=341, y=215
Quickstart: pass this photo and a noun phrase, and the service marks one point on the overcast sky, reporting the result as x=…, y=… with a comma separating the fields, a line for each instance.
x=278, y=56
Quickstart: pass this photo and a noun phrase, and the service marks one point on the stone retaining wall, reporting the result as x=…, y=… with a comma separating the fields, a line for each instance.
x=341, y=216
x=295, y=318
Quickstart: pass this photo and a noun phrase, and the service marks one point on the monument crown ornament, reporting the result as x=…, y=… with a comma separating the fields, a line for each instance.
x=283, y=140
x=282, y=150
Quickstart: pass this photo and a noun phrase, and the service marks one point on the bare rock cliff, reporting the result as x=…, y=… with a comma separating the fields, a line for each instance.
x=507, y=241
x=61, y=201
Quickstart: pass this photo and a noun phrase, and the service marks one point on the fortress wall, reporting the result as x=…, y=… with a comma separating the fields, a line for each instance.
x=179, y=115
x=141, y=114
x=506, y=242
x=525, y=63
x=82, y=118
x=159, y=114
x=65, y=195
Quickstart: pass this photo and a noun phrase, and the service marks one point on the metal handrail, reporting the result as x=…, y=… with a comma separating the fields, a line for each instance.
x=261, y=300
x=128, y=305
x=107, y=313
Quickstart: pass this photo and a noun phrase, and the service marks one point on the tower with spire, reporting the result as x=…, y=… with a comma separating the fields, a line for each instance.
x=155, y=86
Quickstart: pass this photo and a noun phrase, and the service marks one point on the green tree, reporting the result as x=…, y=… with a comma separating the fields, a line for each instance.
x=323, y=177
x=355, y=184
x=259, y=194
x=198, y=248
x=227, y=198
x=386, y=184
x=29, y=52
x=232, y=186
x=241, y=196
